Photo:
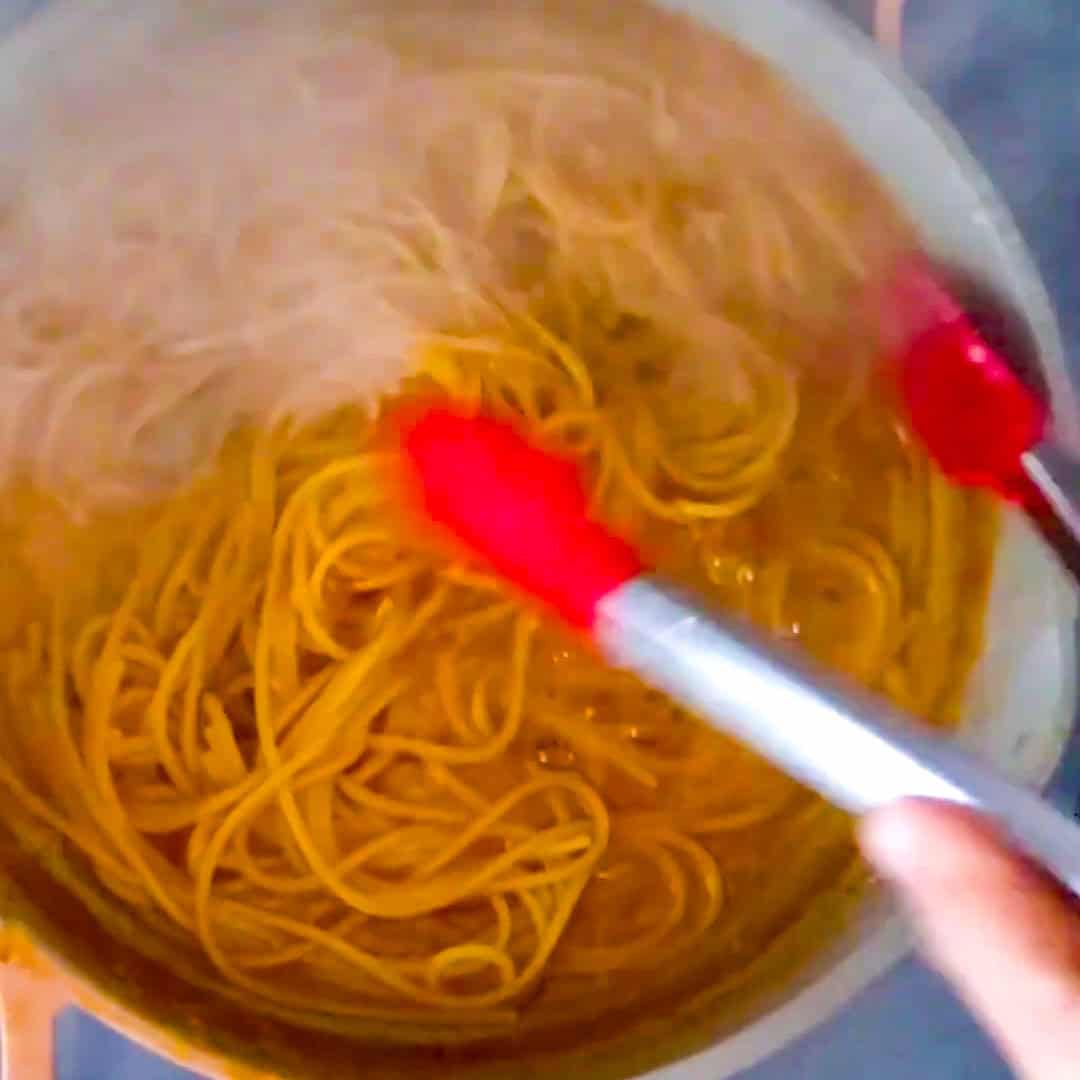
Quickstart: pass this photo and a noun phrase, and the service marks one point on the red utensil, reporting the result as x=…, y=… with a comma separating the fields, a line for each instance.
x=968, y=401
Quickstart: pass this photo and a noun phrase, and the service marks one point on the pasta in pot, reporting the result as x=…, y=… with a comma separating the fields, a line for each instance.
x=360, y=777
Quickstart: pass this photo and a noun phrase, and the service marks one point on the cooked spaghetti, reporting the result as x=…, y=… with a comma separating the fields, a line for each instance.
x=360, y=778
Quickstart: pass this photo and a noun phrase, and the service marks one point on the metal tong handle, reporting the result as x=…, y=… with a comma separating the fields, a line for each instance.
x=853, y=748
x=1057, y=475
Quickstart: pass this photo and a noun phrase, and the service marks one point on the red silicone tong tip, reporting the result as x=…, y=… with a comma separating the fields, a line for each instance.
x=971, y=410
x=518, y=507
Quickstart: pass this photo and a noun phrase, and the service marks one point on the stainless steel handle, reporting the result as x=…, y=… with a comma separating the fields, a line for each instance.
x=1057, y=475
x=855, y=749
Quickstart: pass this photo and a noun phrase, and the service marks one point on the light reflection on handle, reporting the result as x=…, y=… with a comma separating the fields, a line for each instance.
x=855, y=749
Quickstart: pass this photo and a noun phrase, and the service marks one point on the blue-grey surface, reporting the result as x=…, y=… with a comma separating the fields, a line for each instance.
x=1003, y=70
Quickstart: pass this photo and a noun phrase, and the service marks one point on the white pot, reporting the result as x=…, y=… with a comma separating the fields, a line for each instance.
x=1022, y=693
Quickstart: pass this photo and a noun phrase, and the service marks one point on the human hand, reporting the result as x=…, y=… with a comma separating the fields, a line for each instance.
x=1005, y=936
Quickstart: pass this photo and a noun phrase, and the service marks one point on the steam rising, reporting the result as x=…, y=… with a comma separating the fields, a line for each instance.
x=262, y=210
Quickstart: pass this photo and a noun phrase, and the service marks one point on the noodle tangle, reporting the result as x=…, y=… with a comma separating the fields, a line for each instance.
x=358, y=779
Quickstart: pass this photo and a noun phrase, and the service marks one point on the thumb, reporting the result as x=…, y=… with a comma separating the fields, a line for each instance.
x=1003, y=934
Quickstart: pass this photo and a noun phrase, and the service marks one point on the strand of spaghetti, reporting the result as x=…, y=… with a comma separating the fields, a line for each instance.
x=677, y=509
x=165, y=608
x=708, y=874
x=499, y=810
x=338, y=687
x=395, y=839
x=86, y=841
x=253, y=801
x=445, y=778
x=412, y=899
x=396, y=808
x=110, y=812
x=71, y=775
x=158, y=713
x=581, y=959
x=379, y=969
x=449, y=691
x=581, y=733
x=461, y=960
x=287, y=955
x=733, y=820
x=457, y=755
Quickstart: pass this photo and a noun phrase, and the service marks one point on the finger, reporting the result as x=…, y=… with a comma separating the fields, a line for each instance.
x=1007, y=937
